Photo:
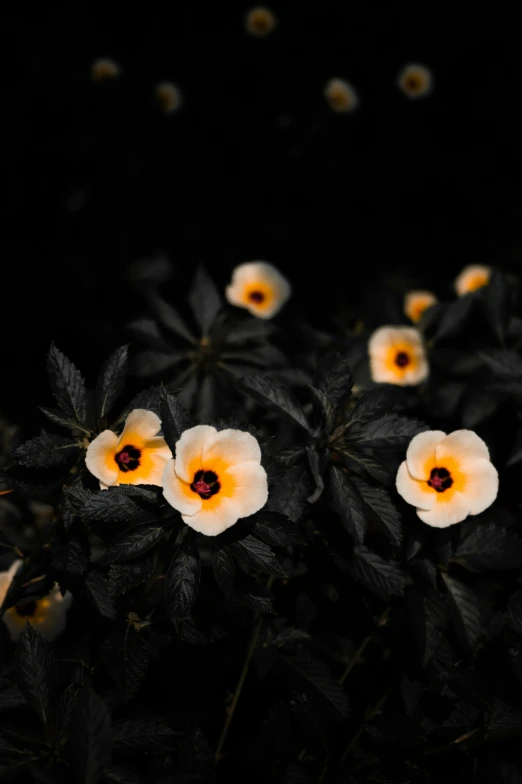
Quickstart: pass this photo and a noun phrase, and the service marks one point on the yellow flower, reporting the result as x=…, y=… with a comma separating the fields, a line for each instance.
x=397, y=356
x=216, y=479
x=416, y=302
x=473, y=277
x=260, y=21
x=415, y=80
x=103, y=69
x=447, y=477
x=137, y=457
x=341, y=96
x=259, y=287
x=46, y=614
x=169, y=97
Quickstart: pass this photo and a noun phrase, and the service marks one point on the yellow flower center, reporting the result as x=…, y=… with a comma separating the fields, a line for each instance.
x=477, y=281
x=26, y=609
x=256, y=296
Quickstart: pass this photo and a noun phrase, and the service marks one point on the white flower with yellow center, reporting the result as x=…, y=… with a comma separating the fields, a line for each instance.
x=341, y=96
x=260, y=21
x=169, y=97
x=397, y=356
x=46, y=614
x=104, y=68
x=415, y=80
x=472, y=278
x=216, y=479
x=416, y=302
x=137, y=457
x=447, y=477
x=259, y=287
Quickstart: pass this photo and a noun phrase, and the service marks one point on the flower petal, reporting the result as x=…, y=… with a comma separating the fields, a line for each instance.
x=481, y=486
x=250, y=487
x=153, y=460
x=49, y=618
x=415, y=492
x=420, y=455
x=178, y=493
x=445, y=513
x=464, y=446
x=231, y=447
x=189, y=450
x=213, y=520
x=100, y=457
x=140, y=426
x=261, y=277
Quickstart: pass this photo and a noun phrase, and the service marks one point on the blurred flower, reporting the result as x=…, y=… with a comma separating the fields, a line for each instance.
x=415, y=80
x=216, y=479
x=341, y=96
x=447, y=477
x=260, y=21
x=416, y=302
x=104, y=68
x=397, y=356
x=259, y=287
x=137, y=457
x=46, y=614
x=169, y=97
x=473, y=277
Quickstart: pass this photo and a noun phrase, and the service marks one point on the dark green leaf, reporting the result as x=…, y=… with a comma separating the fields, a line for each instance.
x=315, y=673
x=504, y=364
x=147, y=332
x=488, y=547
x=249, y=330
x=275, y=529
x=455, y=316
x=204, y=299
x=135, y=736
x=464, y=611
x=69, y=556
x=152, y=363
x=260, y=604
x=35, y=671
x=347, y=503
x=256, y=555
x=314, y=461
x=147, y=398
x=10, y=696
x=287, y=496
x=113, y=774
x=112, y=505
x=374, y=404
x=90, y=737
x=496, y=297
x=134, y=542
x=391, y=431
x=505, y=720
x=67, y=385
x=182, y=581
x=45, y=451
x=224, y=568
x=384, y=578
x=136, y=659
x=515, y=611
x=111, y=380
x=175, y=419
x=170, y=318
x=333, y=377
x=385, y=514
x=98, y=589
x=59, y=418
x=273, y=395
x=123, y=577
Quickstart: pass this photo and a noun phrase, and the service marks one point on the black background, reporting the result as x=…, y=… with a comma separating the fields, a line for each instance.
x=254, y=165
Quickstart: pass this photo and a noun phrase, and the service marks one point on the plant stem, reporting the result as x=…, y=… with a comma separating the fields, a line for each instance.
x=362, y=647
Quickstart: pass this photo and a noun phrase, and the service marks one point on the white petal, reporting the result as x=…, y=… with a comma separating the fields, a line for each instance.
x=418, y=372
x=155, y=463
x=190, y=447
x=415, y=492
x=464, y=446
x=251, y=487
x=143, y=423
x=445, y=513
x=468, y=274
x=234, y=294
x=381, y=340
x=231, y=446
x=266, y=312
x=213, y=520
x=420, y=450
x=100, y=457
x=481, y=485
x=176, y=494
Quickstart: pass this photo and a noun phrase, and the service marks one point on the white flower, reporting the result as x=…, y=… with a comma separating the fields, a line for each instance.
x=104, y=68
x=169, y=97
x=415, y=80
x=416, y=302
x=216, y=479
x=447, y=477
x=137, y=457
x=259, y=287
x=46, y=614
x=260, y=21
x=473, y=277
x=397, y=356
x=341, y=96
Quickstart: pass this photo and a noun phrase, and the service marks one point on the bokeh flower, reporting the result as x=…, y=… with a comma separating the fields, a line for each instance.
x=259, y=287
x=447, y=477
x=104, y=69
x=416, y=302
x=168, y=96
x=46, y=614
x=341, y=96
x=260, y=21
x=472, y=277
x=415, y=80
x=137, y=457
x=216, y=478
x=397, y=356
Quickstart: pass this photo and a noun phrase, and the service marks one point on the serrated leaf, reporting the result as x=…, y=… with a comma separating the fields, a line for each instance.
x=123, y=577
x=391, y=431
x=288, y=495
x=455, y=316
x=35, y=671
x=316, y=674
x=385, y=514
x=98, y=589
x=69, y=557
x=10, y=696
x=224, y=568
x=204, y=299
x=489, y=547
x=384, y=578
x=136, y=659
x=260, y=604
x=256, y=555
x=289, y=634
x=504, y=364
x=59, y=418
x=170, y=318
x=464, y=611
x=347, y=503
x=182, y=581
x=134, y=542
x=175, y=419
x=333, y=377
x=374, y=404
x=111, y=505
x=45, y=451
x=135, y=736
x=515, y=611
x=505, y=720
x=249, y=330
x=147, y=331
x=271, y=394
x=111, y=380
x=152, y=363
x=67, y=385
x=276, y=530
x=496, y=297
x=90, y=737
x=147, y=398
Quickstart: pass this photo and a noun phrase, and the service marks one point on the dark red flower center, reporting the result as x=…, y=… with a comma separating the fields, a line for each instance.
x=402, y=359
x=128, y=458
x=26, y=609
x=256, y=296
x=205, y=484
x=440, y=479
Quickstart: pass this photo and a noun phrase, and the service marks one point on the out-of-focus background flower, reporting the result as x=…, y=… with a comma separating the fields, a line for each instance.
x=191, y=132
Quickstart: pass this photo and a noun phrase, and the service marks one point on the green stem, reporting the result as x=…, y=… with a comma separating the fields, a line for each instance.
x=362, y=647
